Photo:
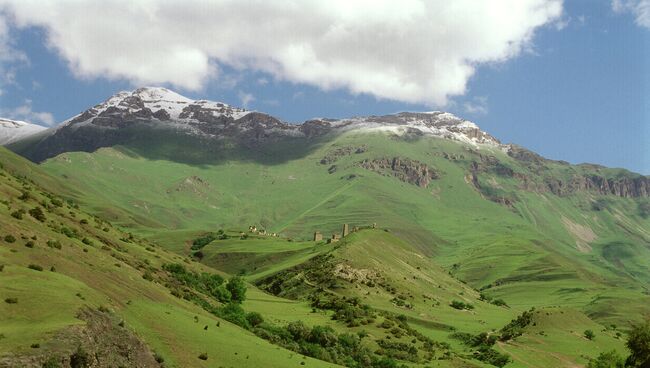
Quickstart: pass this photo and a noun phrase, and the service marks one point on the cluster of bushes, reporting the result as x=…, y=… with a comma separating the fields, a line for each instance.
x=638, y=343
x=211, y=284
x=516, y=326
x=319, y=342
x=398, y=350
x=324, y=343
x=482, y=345
x=348, y=310
x=206, y=239
x=457, y=304
x=497, y=302
x=70, y=233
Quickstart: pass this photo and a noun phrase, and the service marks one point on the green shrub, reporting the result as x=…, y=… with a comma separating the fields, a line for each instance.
x=87, y=241
x=18, y=214
x=254, y=319
x=56, y=202
x=237, y=289
x=10, y=238
x=30, y=244
x=54, y=244
x=203, y=356
x=37, y=213
x=35, y=346
x=610, y=359
x=70, y=233
x=11, y=300
x=589, y=334
x=457, y=304
x=35, y=267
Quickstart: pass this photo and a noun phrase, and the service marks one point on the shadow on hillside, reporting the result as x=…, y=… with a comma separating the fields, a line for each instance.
x=176, y=146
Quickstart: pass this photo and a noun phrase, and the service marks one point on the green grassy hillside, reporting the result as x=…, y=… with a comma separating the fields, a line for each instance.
x=489, y=218
x=462, y=230
x=55, y=268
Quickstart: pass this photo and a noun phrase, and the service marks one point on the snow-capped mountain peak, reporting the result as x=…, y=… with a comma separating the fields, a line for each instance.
x=13, y=130
x=154, y=104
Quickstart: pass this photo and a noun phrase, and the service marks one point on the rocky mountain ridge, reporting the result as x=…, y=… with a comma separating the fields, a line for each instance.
x=160, y=108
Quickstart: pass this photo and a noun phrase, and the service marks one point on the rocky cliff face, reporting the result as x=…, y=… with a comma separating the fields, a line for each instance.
x=538, y=179
x=407, y=170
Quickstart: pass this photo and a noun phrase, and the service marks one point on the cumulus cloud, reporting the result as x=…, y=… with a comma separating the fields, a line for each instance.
x=416, y=51
x=25, y=112
x=639, y=8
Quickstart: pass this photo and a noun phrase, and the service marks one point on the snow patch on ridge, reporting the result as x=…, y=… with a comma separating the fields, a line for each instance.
x=13, y=130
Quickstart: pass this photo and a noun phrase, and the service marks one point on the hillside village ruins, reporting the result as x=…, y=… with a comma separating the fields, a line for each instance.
x=318, y=236
x=336, y=236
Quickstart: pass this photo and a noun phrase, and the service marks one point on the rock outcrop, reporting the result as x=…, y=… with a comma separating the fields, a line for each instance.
x=407, y=170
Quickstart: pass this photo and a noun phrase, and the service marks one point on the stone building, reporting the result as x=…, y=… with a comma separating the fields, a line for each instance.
x=318, y=236
x=346, y=230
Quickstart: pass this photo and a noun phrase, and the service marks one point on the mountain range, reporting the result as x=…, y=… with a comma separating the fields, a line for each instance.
x=457, y=234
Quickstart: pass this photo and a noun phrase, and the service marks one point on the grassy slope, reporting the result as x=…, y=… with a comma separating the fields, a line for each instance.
x=532, y=254
x=554, y=339
x=108, y=273
x=527, y=254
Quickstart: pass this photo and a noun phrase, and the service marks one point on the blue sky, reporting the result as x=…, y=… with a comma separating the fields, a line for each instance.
x=576, y=91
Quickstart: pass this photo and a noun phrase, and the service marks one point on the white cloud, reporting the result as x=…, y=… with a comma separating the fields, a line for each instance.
x=477, y=106
x=415, y=51
x=245, y=98
x=639, y=8
x=26, y=113
x=10, y=57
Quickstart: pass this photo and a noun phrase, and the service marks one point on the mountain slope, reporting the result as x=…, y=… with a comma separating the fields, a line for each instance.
x=58, y=265
x=13, y=130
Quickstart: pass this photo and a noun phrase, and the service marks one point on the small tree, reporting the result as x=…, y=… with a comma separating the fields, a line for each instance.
x=638, y=341
x=589, y=334
x=255, y=319
x=237, y=289
x=610, y=359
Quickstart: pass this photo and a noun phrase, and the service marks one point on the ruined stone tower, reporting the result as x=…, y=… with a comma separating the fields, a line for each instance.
x=318, y=236
x=346, y=230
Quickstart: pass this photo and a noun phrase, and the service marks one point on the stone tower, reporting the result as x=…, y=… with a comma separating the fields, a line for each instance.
x=346, y=230
x=318, y=236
